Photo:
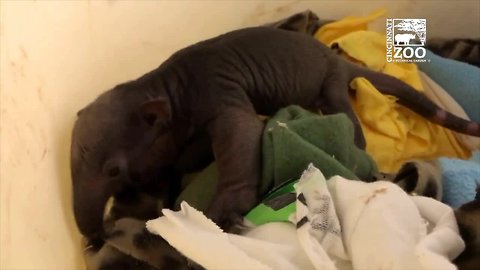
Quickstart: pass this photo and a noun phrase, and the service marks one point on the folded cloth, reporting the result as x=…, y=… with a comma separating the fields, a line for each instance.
x=441, y=97
x=383, y=226
x=292, y=139
x=393, y=133
x=443, y=243
x=460, y=80
x=377, y=223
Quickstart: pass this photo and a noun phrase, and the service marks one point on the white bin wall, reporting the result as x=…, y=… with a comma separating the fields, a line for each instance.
x=57, y=56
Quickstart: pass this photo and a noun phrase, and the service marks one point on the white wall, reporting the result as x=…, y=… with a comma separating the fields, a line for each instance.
x=57, y=56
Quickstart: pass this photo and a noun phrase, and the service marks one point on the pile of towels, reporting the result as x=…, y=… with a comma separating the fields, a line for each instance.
x=337, y=224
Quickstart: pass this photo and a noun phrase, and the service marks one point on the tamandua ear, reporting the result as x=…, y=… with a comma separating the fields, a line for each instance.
x=155, y=111
x=79, y=112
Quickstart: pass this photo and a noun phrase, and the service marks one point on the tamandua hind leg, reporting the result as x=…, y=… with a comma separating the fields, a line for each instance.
x=334, y=99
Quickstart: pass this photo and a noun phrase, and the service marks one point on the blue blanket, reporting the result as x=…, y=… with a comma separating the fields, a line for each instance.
x=460, y=179
x=460, y=80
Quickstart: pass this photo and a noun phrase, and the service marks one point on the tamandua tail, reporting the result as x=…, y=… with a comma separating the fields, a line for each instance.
x=415, y=101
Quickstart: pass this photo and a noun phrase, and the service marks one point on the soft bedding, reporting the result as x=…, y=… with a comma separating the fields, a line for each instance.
x=337, y=224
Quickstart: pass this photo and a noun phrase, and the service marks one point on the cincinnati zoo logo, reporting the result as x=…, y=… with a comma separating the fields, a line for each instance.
x=406, y=40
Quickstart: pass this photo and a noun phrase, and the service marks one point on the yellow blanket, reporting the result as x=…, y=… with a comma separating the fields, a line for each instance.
x=394, y=134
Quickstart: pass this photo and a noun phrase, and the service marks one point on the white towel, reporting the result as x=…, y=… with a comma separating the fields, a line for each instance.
x=339, y=224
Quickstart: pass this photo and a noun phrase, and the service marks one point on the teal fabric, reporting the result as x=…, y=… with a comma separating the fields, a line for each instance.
x=460, y=179
x=460, y=80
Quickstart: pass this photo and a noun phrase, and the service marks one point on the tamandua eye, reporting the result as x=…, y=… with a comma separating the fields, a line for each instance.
x=112, y=169
x=150, y=118
x=113, y=172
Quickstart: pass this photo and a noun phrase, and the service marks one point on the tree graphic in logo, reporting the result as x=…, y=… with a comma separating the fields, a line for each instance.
x=417, y=26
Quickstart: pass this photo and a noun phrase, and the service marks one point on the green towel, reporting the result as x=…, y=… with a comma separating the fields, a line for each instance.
x=292, y=139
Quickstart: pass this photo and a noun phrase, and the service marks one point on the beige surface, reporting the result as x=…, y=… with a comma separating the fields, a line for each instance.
x=57, y=56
